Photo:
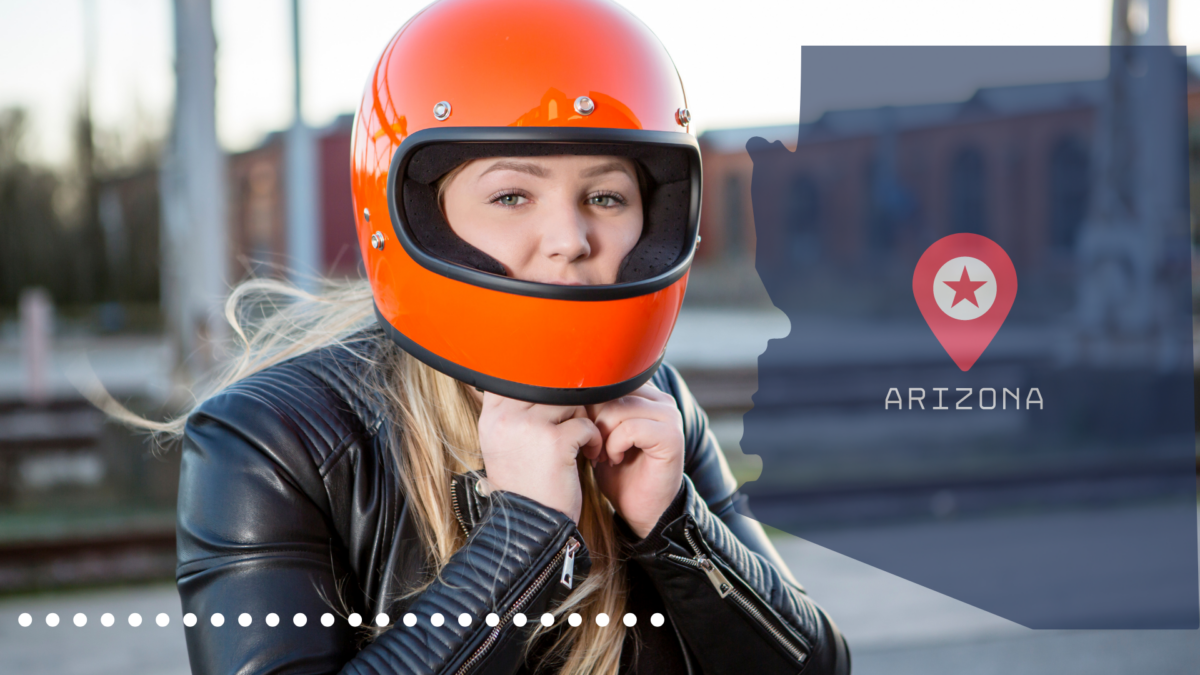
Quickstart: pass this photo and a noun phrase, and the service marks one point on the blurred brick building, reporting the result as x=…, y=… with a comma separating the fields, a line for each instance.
x=898, y=178
x=258, y=234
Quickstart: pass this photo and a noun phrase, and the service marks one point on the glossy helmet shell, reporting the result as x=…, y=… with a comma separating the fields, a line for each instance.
x=511, y=72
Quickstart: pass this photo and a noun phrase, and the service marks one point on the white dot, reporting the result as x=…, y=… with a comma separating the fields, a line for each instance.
x=135, y=619
x=300, y=619
x=272, y=619
x=162, y=620
x=575, y=619
x=107, y=620
x=81, y=619
x=410, y=619
x=189, y=620
x=327, y=619
x=437, y=619
x=547, y=619
x=245, y=619
x=656, y=619
x=464, y=619
x=492, y=619
x=519, y=620
x=217, y=619
x=355, y=620
x=382, y=619
x=26, y=620
x=602, y=619
x=52, y=619
x=630, y=619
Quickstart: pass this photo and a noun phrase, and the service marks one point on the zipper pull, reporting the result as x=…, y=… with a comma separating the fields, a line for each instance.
x=568, y=571
x=718, y=579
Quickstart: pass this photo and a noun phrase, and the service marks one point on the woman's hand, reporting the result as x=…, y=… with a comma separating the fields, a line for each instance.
x=531, y=449
x=641, y=466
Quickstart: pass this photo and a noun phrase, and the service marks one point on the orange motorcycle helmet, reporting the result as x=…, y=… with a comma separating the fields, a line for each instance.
x=467, y=79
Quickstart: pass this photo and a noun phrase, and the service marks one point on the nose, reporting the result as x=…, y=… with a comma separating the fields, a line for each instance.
x=564, y=233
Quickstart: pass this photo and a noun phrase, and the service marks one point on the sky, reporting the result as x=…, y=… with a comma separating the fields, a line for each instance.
x=740, y=68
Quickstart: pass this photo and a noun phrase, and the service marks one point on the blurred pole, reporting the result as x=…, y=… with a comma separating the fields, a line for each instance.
x=96, y=286
x=195, y=248
x=36, y=317
x=1135, y=210
x=304, y=241
x=1156, y=23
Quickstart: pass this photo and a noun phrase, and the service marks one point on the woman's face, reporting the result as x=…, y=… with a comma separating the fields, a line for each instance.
x=567, y=219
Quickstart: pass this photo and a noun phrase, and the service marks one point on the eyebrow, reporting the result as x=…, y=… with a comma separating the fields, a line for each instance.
x=607, y=167
x=541, y=172
x=524, y=167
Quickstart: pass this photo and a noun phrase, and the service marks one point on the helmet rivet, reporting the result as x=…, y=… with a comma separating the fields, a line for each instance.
x=683, y=116
x=441, y=110
x=584, y=105
x=367, y=215
x=377, y=241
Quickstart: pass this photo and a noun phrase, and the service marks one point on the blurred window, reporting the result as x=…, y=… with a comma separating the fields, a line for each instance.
x=734, y=213
x=803, y=219
x=968, y=188
x=1068, y=191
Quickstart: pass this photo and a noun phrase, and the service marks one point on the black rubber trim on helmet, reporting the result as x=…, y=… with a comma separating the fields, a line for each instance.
x=475, y=277
x=524, y=392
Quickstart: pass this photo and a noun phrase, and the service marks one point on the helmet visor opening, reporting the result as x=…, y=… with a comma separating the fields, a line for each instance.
x=670, y=201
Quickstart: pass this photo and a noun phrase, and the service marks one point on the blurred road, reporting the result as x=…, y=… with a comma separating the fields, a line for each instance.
x=893, y=626
x=900, y=628
x=94, y=649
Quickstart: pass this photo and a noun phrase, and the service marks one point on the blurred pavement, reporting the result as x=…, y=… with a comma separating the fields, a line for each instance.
x=128, y=366
x=896, y=627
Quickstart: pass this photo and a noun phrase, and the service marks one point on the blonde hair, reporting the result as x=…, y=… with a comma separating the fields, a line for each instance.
x=434, y=433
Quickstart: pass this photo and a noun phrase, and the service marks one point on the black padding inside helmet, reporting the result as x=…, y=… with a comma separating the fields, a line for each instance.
x=666, y=201
x=429, y=227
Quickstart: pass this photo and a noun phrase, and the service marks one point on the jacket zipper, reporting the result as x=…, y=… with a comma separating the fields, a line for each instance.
x=454, y=503
x=727, y=589
x=565, y=554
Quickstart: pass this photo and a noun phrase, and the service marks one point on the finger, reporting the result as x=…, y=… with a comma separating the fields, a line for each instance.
x=583, y=435
x=650, y=391
x=556, y=414
x=491, y=400
x=646, y=391
x=593, y=451
x=633, y=407
x=640, y=433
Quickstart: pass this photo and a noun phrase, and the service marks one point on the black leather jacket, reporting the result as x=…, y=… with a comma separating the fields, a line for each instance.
x=288, y=504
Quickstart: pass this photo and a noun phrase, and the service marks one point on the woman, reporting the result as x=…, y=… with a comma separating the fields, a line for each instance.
x=476, y=462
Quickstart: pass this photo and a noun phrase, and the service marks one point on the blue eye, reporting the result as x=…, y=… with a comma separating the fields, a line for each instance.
x=509, y=199
x=606, y=200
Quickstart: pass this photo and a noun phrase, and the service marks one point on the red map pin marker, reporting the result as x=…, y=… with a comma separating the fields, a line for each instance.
x=965, y=284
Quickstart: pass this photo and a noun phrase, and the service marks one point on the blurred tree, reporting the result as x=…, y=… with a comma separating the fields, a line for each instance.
x=88, y=233
x=92, y=278
x=34, y=248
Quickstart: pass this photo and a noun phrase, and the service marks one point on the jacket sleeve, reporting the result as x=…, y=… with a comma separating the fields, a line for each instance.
x=255, y=538
x=725, y=586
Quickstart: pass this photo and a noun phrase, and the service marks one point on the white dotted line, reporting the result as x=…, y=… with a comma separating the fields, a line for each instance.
x=245, y=620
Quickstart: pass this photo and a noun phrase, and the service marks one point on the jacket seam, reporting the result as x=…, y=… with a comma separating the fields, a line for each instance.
x=242, y=557
x=285, y=471
x=338, y=454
